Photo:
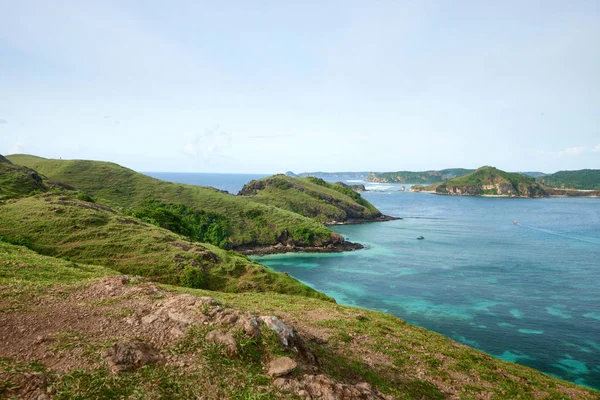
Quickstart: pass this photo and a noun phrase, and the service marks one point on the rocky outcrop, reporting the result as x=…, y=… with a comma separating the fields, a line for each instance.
x=289, y=338
x=127, y=356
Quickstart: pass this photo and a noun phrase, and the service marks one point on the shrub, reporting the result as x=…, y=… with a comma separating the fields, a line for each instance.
x=85, y=197
x=192, y=277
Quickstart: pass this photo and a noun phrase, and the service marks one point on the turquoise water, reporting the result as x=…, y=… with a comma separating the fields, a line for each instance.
x=526, y=293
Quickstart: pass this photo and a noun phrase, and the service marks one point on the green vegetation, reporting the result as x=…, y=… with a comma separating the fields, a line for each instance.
x=491, y=181
x=311, y=197
x=63, y=226
x=17, y=181
x=418, y=177
x=198, y=226
x=250, y=223
x=59, y=251
x=585, y=179
x=352, y=345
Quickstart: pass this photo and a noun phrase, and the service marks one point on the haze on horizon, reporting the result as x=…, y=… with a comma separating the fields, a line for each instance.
x=273, y=86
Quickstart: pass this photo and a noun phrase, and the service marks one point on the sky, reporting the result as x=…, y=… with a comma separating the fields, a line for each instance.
x=270, y=86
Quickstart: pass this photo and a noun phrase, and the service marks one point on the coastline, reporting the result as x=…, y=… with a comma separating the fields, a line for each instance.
x=282, y=249
x=383, y=218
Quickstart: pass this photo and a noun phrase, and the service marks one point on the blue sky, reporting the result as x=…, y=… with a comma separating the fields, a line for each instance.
x=266, y=87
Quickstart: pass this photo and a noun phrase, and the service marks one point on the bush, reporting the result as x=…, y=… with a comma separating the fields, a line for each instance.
x=85, y=197
x=192, y=277
x=198, y=225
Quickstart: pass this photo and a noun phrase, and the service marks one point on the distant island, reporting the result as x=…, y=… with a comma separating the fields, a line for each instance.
x=431, y=176
x=490, y=181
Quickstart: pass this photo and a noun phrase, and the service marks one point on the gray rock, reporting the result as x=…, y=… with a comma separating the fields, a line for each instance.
x=289, y=338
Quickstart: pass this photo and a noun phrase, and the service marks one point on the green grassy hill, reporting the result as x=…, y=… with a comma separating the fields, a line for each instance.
x=423, y=177
x=585, y=179
x=252, y=223
x=58, y=319
x=492, y=181
x=18, y=181
x=62, y=226
x=312, y=197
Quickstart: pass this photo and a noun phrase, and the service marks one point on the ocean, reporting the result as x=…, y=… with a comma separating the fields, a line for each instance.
x=527, y=292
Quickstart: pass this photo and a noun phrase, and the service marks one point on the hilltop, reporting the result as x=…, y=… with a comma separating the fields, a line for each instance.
x=325, y=202
x=249, y=223
x=585, y=179
x=489, y=181
x=422, y=177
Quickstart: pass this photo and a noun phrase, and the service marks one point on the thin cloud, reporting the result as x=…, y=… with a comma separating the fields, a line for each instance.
x=571, y=151
x=597, y=148
x=3, y=121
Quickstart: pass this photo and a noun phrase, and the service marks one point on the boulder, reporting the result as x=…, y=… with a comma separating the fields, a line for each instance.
x=281, y=366
x=289, y=338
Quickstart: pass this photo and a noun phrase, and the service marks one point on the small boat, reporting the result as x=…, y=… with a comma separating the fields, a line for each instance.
x=515, y=222
x=420, y=238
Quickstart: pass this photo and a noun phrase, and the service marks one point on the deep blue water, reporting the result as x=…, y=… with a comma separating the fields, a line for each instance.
x=528, y=293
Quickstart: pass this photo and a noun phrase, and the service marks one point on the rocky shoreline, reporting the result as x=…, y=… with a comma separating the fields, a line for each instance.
x=280, y=248
x=382, y=218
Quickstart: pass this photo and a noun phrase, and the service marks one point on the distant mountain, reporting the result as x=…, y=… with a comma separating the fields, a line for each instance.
x=584, y=179
x=431, y=176
x=490, y=181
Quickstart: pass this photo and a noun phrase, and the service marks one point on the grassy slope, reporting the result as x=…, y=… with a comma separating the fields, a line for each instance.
x=18, y=181
x=514, y=183
x=311, y=197
x=352, y=344
x=585, y=179
x=418, y=176
x=62, y=226
x=252, y=223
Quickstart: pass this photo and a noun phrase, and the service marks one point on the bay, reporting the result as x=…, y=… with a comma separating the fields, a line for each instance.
x=527, y=293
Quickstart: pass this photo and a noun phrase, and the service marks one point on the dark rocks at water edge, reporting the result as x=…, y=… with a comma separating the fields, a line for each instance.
x=280, y=248
x=381, y=218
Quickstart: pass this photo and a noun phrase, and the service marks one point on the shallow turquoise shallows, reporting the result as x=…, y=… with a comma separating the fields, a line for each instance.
x=527, y=293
